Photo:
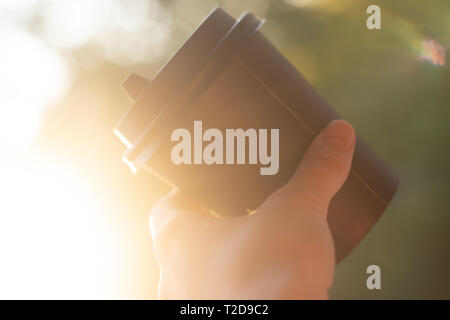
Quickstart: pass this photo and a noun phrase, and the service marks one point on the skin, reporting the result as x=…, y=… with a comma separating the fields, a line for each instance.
x=283, y=251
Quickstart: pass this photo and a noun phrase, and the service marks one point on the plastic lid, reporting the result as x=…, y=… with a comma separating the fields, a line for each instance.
x=198, y=61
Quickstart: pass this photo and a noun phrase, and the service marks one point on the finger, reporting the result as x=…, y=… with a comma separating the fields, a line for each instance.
x=325, y=165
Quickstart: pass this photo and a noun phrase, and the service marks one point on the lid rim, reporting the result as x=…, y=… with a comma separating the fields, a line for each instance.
x=203, y=76
x=175, y=70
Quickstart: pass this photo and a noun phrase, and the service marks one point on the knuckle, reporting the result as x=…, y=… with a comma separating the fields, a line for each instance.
x=313, y=195
x=295, y=200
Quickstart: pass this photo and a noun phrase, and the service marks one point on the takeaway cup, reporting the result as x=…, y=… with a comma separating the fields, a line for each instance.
x=228, y=75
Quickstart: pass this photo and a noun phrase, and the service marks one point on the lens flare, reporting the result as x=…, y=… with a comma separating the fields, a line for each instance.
x=433, y=52
x=415, y=39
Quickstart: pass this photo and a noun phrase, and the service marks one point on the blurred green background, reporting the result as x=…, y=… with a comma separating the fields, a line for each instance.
x=63, y=63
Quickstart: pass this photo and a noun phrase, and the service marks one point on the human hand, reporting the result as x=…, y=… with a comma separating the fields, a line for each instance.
x=283, y=251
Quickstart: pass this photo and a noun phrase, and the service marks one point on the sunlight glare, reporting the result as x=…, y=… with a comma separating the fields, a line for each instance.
x=33, y=76
x=56, y=239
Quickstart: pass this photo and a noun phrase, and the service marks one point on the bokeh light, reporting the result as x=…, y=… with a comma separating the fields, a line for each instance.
x=126, y=32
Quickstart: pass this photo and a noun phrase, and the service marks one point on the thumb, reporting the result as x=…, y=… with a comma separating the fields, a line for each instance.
x=325, y=165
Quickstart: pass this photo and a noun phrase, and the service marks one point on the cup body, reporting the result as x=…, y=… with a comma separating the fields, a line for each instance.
x=256, y=87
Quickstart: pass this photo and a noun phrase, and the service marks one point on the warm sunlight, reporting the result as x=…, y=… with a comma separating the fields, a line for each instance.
x=59, y=237
x=56, y=239
x=33, y=77
x=77, y=189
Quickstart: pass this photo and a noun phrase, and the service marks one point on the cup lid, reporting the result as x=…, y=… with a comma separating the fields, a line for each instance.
x=189, y=71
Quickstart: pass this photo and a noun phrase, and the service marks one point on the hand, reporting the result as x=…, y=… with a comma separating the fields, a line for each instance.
x=283, y=251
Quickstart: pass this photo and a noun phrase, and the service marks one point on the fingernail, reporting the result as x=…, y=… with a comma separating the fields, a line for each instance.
x=340, y=134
